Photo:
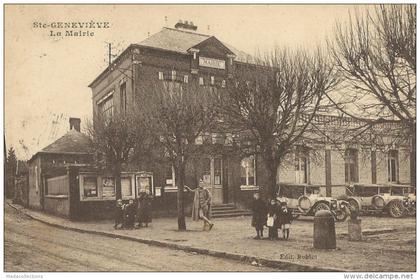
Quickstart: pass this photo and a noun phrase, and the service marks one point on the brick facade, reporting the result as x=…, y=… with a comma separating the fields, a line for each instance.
x=141, y=63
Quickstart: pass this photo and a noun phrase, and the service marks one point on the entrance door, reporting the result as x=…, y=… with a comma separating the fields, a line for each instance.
x=213, y=177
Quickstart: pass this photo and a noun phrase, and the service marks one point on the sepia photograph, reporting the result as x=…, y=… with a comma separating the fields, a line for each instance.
x=210, y=137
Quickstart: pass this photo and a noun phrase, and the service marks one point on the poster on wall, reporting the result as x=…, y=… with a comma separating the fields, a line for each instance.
x=108, y=187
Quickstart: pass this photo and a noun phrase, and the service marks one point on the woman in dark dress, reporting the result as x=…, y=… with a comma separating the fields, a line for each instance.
x=144, y=210
x=259, y=215
x=130, y=212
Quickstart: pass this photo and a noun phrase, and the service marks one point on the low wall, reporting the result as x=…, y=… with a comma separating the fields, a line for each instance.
x=57, y=205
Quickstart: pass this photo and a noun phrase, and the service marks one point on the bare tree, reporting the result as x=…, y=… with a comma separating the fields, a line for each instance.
x=114, y=140
x=271, y=106
x=376, y=55
x=176, y=114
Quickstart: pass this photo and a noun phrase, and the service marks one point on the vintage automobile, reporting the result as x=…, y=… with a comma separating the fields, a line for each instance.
x=408, y=192
x=306, y=200
x=378, y=199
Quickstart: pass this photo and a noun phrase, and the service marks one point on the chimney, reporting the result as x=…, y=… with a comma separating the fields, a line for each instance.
x=186, y=25
x=75, y=124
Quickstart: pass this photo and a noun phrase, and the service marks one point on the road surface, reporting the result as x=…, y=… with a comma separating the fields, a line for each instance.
x=32, y=246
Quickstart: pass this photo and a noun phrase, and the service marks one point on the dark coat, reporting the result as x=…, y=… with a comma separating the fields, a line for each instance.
x=285, y=216
x=259, y=213
x=129, y=213
x=144, y=209
x=119, y=213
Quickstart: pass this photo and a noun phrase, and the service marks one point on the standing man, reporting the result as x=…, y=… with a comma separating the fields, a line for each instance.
x=119, y=214
x=202, y=206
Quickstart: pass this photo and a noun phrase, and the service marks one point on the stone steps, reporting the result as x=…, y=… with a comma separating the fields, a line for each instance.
x=228, y=211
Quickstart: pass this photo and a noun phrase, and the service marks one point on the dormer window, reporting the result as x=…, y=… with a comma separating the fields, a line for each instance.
x=160, y=75
x=173, y=75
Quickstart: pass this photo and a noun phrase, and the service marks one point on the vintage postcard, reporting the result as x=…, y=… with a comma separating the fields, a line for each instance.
x=218, y=137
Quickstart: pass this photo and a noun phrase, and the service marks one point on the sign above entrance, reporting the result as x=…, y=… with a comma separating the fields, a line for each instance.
x=211, y=62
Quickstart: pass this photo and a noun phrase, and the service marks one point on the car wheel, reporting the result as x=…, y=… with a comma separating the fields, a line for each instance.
x=342, y=214
x=321, y=206
x=396, y=209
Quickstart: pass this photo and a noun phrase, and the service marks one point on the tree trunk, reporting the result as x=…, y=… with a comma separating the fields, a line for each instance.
x=272, y=179
x=271, y=164
x=413, y=159
x=117, y=177
x=180, y=178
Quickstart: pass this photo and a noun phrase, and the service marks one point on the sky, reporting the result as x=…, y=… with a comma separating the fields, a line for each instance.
x=47, y=77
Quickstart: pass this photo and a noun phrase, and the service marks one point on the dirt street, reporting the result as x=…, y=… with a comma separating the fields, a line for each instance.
x=31, y=246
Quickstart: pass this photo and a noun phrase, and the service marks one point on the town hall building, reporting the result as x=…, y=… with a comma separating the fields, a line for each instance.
x=182, y=55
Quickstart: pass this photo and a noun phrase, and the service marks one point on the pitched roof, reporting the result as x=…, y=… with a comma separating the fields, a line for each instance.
x=181, y=41
x=73, y=142
x=174, y=40
x=241, y=56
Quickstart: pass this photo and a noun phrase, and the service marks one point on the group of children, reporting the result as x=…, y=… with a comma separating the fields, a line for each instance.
x=126, y=214
x=275, y=215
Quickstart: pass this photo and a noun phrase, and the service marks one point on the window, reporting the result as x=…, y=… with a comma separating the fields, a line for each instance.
x=186, y=79
x=223, y=83
x=350, y=165
x=90, y=187
x=212, y=80
x=398, y=191
x=173, y=75
x=201, y=81
x=206, y=171
x=106, y=107
x=170, y=176
x=126, y=187
x=108, y=187
x=393, y=166
x=301, y=168
x=123, y=96
x=160, y=75
x=57, y=185
x=384, y=190
x=217, y=171
x=36, y=179
x=248, y=172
